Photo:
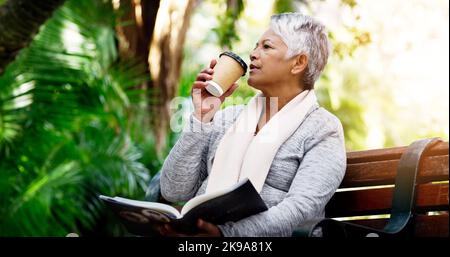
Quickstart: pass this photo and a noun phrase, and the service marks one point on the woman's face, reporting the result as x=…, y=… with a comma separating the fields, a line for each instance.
x=268, y=65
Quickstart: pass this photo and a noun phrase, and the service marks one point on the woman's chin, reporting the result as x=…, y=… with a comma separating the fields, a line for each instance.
x=252, y=82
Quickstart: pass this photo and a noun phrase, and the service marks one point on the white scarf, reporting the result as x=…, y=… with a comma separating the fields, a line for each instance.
x=241, y=155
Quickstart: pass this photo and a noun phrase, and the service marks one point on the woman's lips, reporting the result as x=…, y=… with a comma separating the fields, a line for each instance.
x=253, y=68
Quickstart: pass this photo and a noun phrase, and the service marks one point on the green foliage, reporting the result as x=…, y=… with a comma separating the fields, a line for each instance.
x=350, y=3
x=242, y=95
x=359, y=38
x=71, y=127
x=188, y=77
x=350, y=112
x=226, y=30
x=281, y=6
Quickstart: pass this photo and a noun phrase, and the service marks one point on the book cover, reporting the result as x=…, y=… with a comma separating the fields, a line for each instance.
x=144, y=218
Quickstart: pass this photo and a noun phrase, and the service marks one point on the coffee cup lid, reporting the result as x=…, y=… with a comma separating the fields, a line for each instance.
x=237, y=58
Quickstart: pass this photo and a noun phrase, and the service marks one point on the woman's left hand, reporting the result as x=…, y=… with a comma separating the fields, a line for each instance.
x=206, y=230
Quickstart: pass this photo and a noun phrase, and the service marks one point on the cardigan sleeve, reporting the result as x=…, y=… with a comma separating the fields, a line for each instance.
x=184, y=168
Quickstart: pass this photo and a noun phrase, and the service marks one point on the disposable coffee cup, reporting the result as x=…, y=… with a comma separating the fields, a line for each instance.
x=229, y=68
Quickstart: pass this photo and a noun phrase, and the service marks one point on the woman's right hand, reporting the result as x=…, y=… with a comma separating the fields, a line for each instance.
x=205, y=104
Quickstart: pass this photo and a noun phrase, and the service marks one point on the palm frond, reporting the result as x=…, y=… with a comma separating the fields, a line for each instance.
x=36, y=201
x=68, y=106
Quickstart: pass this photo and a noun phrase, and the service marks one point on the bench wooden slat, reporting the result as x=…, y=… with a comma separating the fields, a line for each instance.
x=434, y=168
x=424, y=226
x=379, y=167
x=393, y=153
x=430, y=197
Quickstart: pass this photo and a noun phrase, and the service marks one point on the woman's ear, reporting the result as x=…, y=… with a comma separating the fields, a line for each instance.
x=300, y=63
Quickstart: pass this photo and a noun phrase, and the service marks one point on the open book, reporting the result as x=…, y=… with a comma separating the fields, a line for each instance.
x=143, y=218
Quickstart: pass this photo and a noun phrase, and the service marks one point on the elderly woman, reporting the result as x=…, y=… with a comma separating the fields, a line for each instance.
x=294, y=154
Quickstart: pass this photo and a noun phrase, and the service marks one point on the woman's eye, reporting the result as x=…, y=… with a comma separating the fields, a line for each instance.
x=266, y=46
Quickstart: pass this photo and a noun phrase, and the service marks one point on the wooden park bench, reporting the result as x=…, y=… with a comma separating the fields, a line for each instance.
x=400, y=191
x=408, y=184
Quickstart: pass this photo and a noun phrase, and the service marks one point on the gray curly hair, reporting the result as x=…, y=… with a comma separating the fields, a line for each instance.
x=304, y=35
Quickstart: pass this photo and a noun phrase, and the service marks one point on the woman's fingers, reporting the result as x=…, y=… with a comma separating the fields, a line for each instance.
x=207, y=229
x=210, y=103
x=205, y=226
x=209, y=70
x=204, y=102
x=203, y=76
x=229, y=91
x=199, y=84
x=213, y=63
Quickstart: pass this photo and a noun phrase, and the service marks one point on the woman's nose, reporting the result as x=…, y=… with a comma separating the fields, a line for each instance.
x=253, y=55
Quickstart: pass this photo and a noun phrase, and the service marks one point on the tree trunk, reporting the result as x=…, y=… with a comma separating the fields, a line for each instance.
x=135, y=38
x=156, y=33
x=135, y=33
x=166, y=55
x=19, y=22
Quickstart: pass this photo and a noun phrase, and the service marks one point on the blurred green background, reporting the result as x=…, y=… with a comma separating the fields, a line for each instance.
x=87, y=102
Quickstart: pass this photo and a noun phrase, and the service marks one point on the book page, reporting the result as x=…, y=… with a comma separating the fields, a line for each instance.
x=205, y=197
x=164, y=208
